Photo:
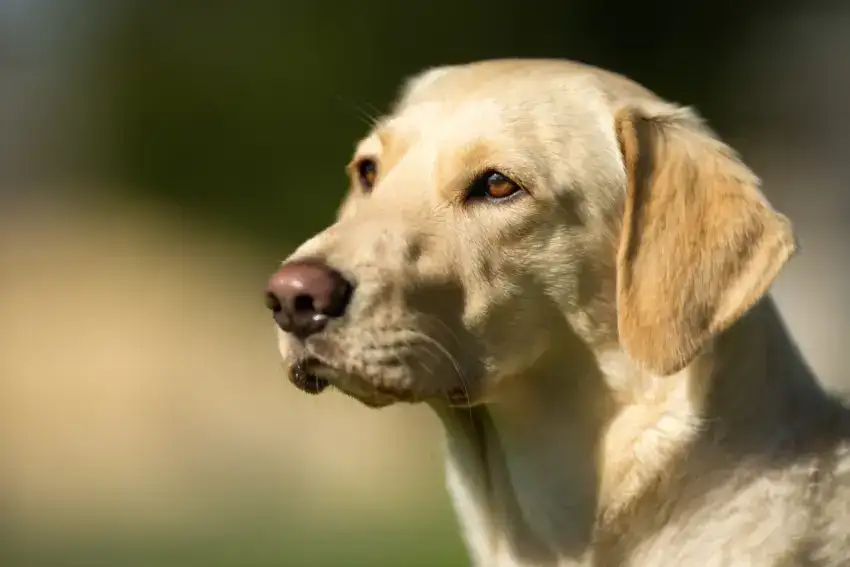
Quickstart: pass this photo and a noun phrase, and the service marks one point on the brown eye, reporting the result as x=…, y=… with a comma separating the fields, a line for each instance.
x=493, y=186
x=367, y=173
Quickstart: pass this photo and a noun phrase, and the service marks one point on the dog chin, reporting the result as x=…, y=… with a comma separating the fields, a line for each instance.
x=313, y=376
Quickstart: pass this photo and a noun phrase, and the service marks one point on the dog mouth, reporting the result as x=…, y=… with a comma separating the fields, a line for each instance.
x=313, y=375
x=303, y=375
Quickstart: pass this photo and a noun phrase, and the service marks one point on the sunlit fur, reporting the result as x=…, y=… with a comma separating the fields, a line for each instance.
x=615, y=384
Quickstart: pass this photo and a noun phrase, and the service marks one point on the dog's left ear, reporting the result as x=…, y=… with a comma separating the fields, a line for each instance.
x=700, y=245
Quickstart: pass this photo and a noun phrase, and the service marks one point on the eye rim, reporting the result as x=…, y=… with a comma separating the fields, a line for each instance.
x=365, y=178
x=479, y=188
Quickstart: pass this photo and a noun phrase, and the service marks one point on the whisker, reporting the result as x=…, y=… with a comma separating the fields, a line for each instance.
x=434, y=318
x=373, y=108
x=370, y=119
x=372, y=342
x=439, y=346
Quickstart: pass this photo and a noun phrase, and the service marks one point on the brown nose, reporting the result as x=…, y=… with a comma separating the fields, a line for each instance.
x=305, y=295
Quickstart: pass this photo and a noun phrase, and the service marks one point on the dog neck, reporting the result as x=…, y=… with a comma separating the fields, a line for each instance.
x=553, y=461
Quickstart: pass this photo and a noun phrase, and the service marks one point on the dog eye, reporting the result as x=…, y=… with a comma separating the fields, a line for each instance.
x=367, y=173
x=493, y=186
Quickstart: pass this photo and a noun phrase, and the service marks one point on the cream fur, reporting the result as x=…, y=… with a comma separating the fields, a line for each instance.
x=634, y=398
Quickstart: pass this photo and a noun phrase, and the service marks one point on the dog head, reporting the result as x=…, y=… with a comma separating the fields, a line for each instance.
x=506, y=209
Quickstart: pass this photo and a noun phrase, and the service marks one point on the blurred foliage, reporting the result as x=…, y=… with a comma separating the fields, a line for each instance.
x=248, y=112
x=424, y=543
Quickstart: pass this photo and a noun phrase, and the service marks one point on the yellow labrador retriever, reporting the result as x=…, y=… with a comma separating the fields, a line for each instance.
x=573, y=274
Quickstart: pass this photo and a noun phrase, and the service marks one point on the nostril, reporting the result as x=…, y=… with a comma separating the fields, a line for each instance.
x=272, y=302
x=341, y=298
x=303, y=304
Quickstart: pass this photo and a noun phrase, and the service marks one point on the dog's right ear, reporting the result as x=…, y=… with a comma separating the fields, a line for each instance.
x=699, y=246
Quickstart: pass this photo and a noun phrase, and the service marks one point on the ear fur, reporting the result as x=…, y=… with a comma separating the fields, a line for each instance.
x=700, y=245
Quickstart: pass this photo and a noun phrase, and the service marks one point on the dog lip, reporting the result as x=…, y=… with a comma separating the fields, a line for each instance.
x=313, y=374
x=303, y=377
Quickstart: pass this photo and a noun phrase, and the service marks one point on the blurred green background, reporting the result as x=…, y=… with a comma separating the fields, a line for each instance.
x=157, y=158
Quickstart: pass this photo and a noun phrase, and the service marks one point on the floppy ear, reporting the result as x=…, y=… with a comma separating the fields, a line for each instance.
x=700, y=245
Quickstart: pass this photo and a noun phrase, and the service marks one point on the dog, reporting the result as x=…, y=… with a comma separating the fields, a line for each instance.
x=574, y=274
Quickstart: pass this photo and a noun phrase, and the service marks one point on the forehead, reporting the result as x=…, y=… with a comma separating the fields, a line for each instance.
x=452, y=120
x=504, y=102
x=439, y=124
